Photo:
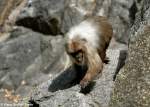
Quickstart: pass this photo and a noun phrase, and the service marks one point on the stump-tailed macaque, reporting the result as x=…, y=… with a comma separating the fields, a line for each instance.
x=87, y=43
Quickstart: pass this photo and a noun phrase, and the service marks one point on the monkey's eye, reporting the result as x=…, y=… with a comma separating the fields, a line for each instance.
x=74, y=54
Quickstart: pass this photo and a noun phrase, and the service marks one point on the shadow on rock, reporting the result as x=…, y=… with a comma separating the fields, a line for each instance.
x=70, y=77
x=121, y=63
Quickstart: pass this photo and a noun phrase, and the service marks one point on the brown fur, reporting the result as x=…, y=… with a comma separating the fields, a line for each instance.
x=83, y=54
x=106, y=33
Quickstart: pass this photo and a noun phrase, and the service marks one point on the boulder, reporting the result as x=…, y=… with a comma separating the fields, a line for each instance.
x=49, y=16
x=57, y=16
x=132, y=85
x=63, y=90
x=27, y=56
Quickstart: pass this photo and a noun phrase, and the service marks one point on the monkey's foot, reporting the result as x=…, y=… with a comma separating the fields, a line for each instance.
x=84, y=83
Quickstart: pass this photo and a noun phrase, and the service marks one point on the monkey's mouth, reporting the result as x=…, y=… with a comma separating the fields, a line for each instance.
x=79, y=58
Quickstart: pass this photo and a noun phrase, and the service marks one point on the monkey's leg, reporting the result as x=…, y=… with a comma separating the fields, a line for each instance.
x=91, y=73
x=95, y=66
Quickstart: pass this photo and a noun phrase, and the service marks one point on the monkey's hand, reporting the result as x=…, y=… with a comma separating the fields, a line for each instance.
x=84, y=83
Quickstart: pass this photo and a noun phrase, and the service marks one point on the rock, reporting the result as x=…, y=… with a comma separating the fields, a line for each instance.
x=53, y=16
x=42, y=16
x=56, y=17
x=120, y=18
x=6, y=7
x=62, y=90
x=132, y=85
x=121, y=62
x=29, y=56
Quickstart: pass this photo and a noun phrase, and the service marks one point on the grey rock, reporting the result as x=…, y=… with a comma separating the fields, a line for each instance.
x=27, y=56
x=49, y=16
x=42, y=16
x=38, y=57
x=132, y=85
x=56, y=17
x=142, y=19
x=120, y=18
x=62, y=89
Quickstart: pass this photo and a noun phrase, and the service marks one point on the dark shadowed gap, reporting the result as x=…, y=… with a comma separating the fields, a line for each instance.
x=32, y=103
x=132, y=12
x=38, y=24
x=121, y=63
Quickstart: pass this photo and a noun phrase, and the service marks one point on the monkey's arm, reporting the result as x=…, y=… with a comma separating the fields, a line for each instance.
x=95, y=66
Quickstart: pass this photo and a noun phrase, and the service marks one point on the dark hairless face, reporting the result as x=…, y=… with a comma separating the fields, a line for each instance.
x=76, y=51
x=77, y=57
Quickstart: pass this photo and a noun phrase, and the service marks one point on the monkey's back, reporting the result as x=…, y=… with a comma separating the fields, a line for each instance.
x=104, y=31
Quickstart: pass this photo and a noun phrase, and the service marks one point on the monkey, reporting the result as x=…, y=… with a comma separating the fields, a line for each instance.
x=86, y=45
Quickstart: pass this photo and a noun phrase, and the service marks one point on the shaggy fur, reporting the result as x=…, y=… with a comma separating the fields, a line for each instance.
x=87, y=43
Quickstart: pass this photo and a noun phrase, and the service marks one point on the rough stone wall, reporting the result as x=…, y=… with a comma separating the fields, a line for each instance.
x=33, y=52
x=132, y=85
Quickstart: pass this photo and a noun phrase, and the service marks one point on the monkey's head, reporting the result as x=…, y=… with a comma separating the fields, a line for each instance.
x=76, y=49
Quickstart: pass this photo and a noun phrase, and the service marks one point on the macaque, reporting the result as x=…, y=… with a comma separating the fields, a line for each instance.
x=86, y=45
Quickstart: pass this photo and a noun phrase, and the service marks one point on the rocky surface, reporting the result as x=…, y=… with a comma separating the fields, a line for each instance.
x=48, y=17
x=132, y=85
x=52, y=16
x=32, y=54
x=62, y=91
x=40, y=15
x=28, y=53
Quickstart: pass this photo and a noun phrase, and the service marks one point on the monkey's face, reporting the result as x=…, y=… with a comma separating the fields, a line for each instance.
x=76, y=51
x=77, y=57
